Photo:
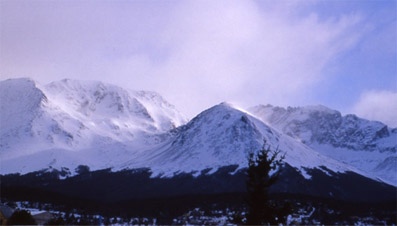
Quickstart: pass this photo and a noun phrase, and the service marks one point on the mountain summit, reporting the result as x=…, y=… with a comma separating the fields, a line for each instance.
x=69, y=123
x=370, y=146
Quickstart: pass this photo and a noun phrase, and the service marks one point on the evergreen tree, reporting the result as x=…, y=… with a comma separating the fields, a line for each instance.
x=263, y=171
x=21, y=217
x=82, y=169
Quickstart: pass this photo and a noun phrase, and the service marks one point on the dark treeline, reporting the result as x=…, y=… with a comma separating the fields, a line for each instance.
x=135, y=193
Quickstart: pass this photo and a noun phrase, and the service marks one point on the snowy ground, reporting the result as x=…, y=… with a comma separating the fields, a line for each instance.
x=306, y=214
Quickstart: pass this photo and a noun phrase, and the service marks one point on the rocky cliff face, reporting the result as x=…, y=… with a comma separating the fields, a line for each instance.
x=69, y=123
x=368, y=145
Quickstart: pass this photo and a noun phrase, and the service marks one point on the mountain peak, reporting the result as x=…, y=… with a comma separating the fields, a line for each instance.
x=20, y=100
x=104, y=102
x=19, y=80
x=225, y=104
x=362, y=143
x=71, y=122
x=319, y=108
x=219, y=136
x=72, y=115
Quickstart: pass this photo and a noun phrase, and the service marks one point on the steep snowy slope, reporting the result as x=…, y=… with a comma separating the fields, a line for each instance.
x=70, y=123
x=367, y=145
x=25, y=123
x=118, y=108
x=223, y=136
x=67, y=123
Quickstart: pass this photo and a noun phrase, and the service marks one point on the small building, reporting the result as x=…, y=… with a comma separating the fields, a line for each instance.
x=43, y=217
x=5, y=213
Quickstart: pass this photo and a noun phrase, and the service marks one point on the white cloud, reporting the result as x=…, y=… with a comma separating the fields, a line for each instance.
x=250, y=55
x=378, y=105
x=241, y=52
x=195, y=53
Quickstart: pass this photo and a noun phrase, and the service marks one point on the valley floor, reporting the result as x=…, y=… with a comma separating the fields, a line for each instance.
x=302, y=212
x=134, y=197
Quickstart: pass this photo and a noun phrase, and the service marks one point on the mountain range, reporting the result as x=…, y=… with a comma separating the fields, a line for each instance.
x=69, y=123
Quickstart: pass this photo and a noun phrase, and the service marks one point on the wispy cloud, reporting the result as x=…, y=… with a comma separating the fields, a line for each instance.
x=378, y=105
x=195, y=53
x=241, y=52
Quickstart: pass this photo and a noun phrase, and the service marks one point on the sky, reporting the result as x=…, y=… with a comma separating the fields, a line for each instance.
x=337, y=53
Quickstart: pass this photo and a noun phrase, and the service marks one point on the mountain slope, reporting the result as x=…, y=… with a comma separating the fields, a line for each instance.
x=68, y=122
x=22, y=114
x=224, y=136
x=367, y=145
x=119, y=108
x=142, y=141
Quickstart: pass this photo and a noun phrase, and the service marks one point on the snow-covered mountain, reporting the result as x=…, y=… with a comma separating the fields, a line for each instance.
x=70, y=123
x=67, y=123
x=370, y=146
x=223, y=136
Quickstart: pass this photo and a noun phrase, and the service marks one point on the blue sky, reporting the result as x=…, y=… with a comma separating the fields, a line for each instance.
x=341, y=54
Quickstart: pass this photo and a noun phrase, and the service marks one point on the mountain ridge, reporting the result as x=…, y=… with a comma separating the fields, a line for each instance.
x=76, y=116
x=105, y=126
x=370, y=146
